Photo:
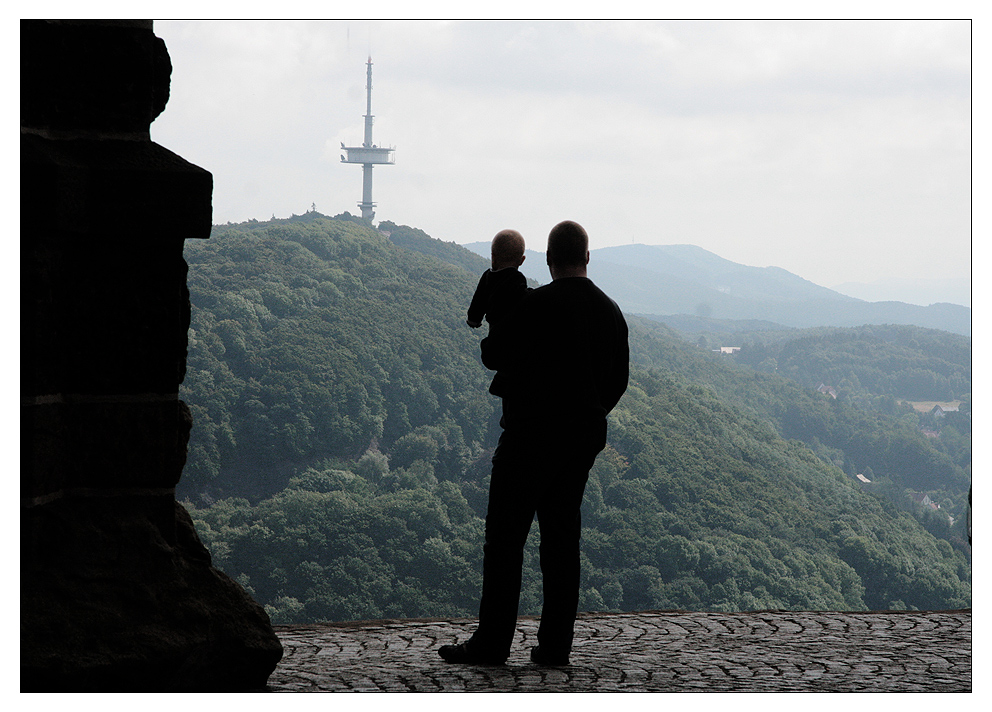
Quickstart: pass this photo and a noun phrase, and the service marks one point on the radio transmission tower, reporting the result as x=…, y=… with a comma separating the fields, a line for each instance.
x=368, y=154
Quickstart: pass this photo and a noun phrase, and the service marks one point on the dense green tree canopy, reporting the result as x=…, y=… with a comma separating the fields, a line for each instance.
x=338, y=465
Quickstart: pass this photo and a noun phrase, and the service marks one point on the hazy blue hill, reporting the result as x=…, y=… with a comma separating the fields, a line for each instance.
x=911, y=291
x=644, y=289
x=946, y=317
x=686, y=280
x=342, y=433
x=691, y=325
x=688, y=262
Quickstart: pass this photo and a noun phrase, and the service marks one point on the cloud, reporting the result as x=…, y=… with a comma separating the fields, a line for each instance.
x=834, y=149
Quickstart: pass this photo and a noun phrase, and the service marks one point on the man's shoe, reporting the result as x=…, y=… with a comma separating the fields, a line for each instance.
x=542, y=658
x=462, y=654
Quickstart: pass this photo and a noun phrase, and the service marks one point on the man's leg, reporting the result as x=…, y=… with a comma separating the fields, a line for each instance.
x=561, y=525
x=559, y=516
x=513, y=489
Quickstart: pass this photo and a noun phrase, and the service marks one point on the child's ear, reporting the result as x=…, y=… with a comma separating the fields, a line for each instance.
x=522, y=258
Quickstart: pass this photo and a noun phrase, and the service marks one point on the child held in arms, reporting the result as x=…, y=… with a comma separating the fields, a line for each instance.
x=500, y=288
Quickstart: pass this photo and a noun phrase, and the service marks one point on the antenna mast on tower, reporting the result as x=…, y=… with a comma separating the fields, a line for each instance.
x=368, y=154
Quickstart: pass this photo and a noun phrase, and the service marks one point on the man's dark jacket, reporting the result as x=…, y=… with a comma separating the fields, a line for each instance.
x=564, y=358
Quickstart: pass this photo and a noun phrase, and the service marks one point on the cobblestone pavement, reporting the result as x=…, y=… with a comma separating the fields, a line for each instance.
x=646, y=652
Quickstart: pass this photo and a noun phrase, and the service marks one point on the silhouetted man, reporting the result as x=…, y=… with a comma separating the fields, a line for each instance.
x=563, y=362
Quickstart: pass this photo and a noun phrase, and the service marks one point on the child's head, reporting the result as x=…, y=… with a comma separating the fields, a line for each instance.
x=508, y=249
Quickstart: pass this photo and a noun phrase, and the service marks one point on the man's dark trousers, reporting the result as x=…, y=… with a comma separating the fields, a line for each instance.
x=537, y=469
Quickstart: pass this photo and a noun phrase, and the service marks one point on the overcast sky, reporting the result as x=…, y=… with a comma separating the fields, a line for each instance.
x=838, y=150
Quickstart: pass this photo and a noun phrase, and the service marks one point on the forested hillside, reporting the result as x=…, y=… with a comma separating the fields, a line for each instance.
x=342, y=427
x=315, y=338
x=903, y=362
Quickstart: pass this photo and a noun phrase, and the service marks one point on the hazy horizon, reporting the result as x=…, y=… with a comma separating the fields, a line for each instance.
x=921, y=292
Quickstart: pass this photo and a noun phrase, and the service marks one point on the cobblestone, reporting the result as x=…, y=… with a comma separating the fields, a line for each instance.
x=646, y=652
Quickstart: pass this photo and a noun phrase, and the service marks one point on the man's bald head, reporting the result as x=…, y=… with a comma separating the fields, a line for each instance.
x=568, y=249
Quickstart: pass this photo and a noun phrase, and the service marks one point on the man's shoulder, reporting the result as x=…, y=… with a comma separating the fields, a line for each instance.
x=561, y=293
x=566, y=284
x=573, y=285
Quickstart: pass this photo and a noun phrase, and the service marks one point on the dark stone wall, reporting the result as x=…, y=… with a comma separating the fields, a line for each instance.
x=117, y=591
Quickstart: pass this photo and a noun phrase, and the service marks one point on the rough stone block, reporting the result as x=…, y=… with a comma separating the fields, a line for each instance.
x=125, y=599
x=117, y=592
x=104, y=443
x=92, y=75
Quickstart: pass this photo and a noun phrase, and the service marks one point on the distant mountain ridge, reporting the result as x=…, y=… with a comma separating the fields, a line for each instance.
x=662, y=280
x=912, y=291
